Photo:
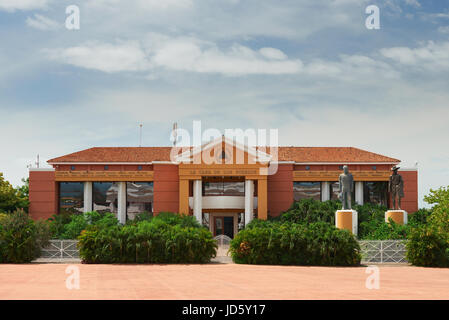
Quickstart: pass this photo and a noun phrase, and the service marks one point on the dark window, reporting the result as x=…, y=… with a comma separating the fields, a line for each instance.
x=375, y=192
x=139, y=168
x=106, y=167
x=71, y=197
x=307, y=190
x=307, y=168
x=335, y=190
x=223, y=188
x=105, y=197
x=374, y=168
x=72, y=168
x=139, y=198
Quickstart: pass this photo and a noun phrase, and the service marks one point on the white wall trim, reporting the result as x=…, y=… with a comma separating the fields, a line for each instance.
x=42, y=169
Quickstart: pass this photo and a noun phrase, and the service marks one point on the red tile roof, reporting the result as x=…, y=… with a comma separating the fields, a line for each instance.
x=296, y=154
x=331, y=154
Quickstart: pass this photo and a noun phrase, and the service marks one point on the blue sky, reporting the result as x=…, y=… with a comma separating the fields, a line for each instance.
x=304, y=67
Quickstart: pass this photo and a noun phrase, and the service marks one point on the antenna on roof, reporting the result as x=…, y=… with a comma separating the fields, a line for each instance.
x=37, y=162
x=140, y=135
x=175, y=133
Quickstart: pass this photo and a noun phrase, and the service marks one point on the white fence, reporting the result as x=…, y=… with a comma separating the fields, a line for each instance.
x=383, y=251
x=61, y=249
x=373, y=251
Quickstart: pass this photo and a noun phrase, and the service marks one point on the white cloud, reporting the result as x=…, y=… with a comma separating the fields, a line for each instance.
x=103, y=57
x=185, y=54
x=180, y=54
x=413, y=3
x=141, y=4
x=352, y=68
x=13, y=5
x=42, y=23
x=444, y=29
x=432, y=56
x=189, y=54
x=273, y=53
x=441, y=15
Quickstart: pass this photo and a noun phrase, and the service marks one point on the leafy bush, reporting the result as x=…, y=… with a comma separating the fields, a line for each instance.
x=374, y=230
x=428, y=244
x=70, y=226
x=167, y=238
x=419, y=217
x=21, y=238
x=11, y=198
x=428, y=248
x=371, y=218
x=285, y=243
x=310, y=210
x=144, y=216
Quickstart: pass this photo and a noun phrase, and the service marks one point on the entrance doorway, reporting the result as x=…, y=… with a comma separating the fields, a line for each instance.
x=223, y=223
x=224, y=226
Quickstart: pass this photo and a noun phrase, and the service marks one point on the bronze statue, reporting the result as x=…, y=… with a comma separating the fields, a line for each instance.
x=396, y=187
x=346, y=181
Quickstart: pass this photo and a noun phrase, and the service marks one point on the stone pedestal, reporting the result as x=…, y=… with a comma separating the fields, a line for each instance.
x=346, y=219
x=398, y=216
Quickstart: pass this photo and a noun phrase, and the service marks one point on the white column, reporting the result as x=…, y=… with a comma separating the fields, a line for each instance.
x=87, y=196
x=121, y=207
x=198, y=200
x=325, y=191
x=359, y=192
x=249, y=201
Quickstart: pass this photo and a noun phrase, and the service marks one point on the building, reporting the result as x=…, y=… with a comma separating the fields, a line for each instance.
x=223, y=184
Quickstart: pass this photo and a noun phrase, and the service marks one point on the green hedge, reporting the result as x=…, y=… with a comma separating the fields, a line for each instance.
x=166, y=238
x=21, y=238
x=280, y=243
x=70, y=226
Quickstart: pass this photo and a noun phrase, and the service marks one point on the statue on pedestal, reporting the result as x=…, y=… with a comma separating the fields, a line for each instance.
x=346, y=182
x=396, y=188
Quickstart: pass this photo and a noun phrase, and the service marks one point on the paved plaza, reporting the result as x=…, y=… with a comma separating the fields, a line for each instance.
x=219, y=281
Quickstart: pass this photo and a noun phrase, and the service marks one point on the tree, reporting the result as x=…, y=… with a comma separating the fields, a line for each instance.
x=23, y=195
x=440, y=215
x=12, y=199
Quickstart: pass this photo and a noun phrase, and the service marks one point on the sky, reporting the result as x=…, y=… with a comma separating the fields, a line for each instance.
x=310, y=69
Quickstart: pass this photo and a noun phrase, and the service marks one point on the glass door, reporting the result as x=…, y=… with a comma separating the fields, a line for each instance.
x=224, y=225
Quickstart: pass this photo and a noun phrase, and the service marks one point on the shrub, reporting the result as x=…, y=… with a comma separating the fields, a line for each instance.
x=144, y=216
x=21, y=238
x=70, y=226
x=283, y=243
x=419, y=217
x=371, y=218
x=428, y=244
x=310, y=210
x=375, y=230
x=167, y=238
x=57, y=223
x=428, y=248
